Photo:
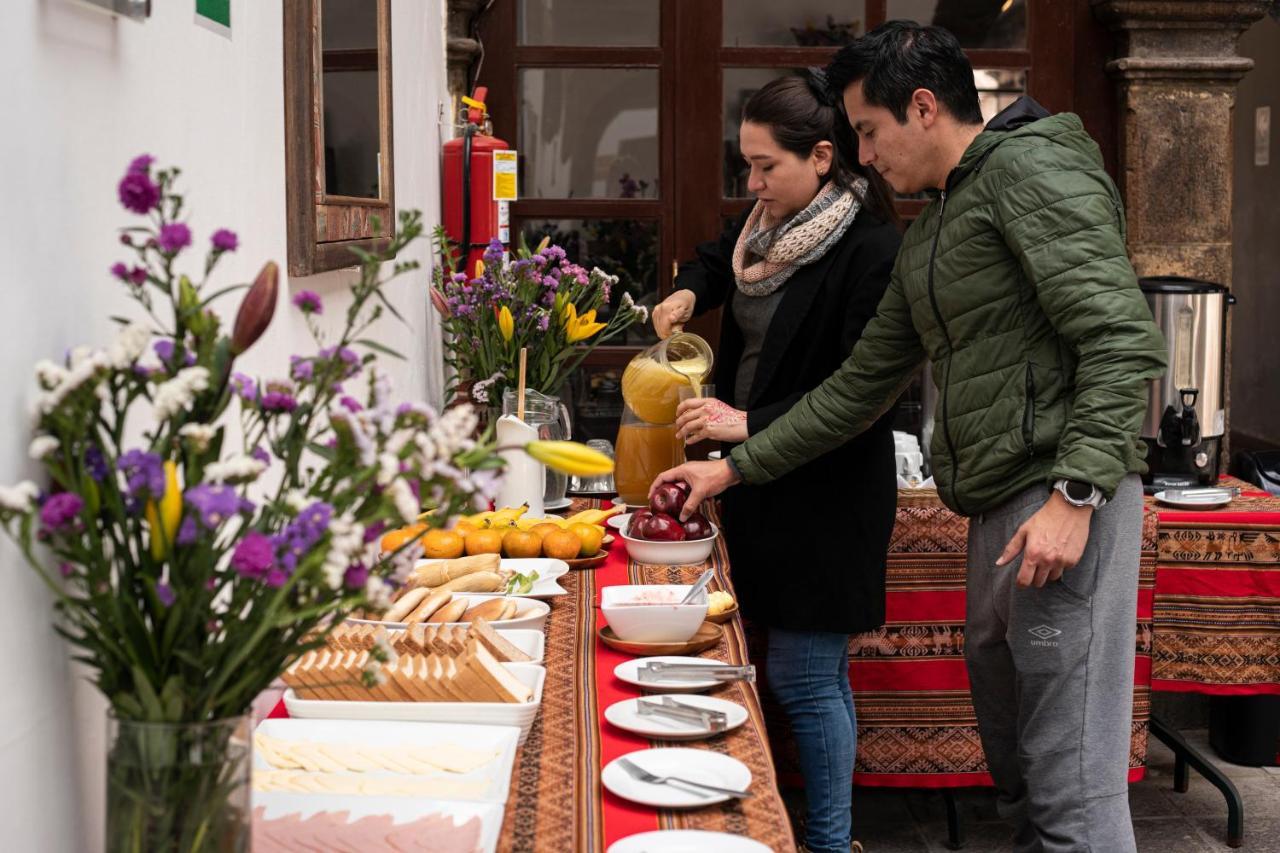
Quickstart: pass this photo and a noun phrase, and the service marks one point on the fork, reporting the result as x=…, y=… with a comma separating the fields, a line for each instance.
x=639, y=773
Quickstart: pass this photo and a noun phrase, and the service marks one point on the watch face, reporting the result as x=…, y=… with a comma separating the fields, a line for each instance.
x=1078, y=491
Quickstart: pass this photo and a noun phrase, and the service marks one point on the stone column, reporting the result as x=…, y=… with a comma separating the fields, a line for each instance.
x=1176, y=79
x=460, y=48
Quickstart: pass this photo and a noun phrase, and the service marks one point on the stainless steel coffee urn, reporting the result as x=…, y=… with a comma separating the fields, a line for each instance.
x=1185, y=417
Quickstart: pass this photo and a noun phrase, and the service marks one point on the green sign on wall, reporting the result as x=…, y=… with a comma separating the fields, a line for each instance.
x=218, y=11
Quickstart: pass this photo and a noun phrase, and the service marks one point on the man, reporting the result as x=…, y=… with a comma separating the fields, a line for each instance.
x=1014, y=283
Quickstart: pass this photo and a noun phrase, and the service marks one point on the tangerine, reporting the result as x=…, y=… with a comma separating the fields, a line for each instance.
x=463, y=527
x=484, y=542
x=589, y=535
x=522, y=543
x=562, y=545
x=442, y=545
x=545, y=528
x=394, y=539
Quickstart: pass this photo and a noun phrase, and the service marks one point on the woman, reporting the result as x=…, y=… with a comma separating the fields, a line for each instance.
x=799, y=277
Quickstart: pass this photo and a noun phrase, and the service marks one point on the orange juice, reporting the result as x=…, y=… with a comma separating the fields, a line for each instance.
x=643, y=452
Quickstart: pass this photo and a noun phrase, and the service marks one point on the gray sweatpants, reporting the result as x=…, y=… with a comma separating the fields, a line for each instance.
x=1051, y=670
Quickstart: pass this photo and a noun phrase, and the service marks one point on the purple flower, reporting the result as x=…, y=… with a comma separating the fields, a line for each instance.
x=95, y=463
x=245, y=387
x=350, y=361
x=308, y=302
x=351, y=404
x=141, y=164
x=278, y=401
x=165, y=593
x=373, y=532
x=174, y=237
x=254, y=555
x=277, y=578
x=164, y=349
x=66, y=569
x=543, y=322
x=225, y=240
x=138, y=193
x=144, y=474
x=355, y=576
x=261, y=455
x=120, y=271
x=301, y=368
x=60, y=510
x=138, y=276
x=215, y=503
x=187, y=531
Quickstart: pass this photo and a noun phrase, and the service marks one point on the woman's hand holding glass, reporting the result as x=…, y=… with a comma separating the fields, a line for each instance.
x=700, y=418
x=673, y=312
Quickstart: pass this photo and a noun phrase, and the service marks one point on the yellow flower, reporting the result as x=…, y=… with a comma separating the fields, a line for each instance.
x=506, y=323
x=570, y=457
x=546, y=241
x=580, y=328
x=479, y=269
x=164, y=519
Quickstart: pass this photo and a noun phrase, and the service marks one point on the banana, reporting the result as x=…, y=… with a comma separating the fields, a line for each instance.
x=593, y=516
x=507, y=516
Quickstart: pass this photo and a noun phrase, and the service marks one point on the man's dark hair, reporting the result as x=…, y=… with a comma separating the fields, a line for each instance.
x=898, y=57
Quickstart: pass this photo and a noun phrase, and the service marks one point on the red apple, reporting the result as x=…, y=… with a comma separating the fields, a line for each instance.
x=636, y=522
x=669, y=498
x=697, y=527
x=660, y=527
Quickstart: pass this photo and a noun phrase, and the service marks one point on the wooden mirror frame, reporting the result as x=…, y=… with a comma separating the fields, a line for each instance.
x=322, y=228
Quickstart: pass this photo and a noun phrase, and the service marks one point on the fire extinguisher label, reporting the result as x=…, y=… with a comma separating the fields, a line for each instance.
x=504, y=176
x=504, y=222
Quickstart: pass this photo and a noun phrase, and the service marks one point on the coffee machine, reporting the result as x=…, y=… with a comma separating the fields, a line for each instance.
x=1185, y=418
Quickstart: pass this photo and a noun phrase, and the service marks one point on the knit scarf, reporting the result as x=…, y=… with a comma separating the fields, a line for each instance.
x=768, y=252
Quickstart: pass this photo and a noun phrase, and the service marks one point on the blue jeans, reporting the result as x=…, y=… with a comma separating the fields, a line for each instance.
x=808, y=672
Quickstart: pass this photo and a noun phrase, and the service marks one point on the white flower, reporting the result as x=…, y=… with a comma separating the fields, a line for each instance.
x=406, y=504
x=176, y=395
x=86, y=367
x=128, y=346
x=452, y=432
x=388, y=468
x=42, y=446
x=383, y=649
x=79, y=356
x=377, y=592
x=346, y=542
x=199, y=436
x=643, y=312
x=333, y=574
x=48, y=374
x=627, y=303
x=297, y=500
x=399, y=439
x=426, y=449
x=238, y=469
x=374, y=672
x=19, y=498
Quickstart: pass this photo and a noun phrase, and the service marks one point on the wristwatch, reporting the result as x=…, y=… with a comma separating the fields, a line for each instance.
x=1080, y=493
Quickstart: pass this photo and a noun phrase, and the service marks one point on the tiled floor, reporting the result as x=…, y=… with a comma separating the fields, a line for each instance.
x=890, y=821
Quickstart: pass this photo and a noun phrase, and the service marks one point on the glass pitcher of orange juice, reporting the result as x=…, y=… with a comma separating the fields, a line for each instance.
x=651, y=384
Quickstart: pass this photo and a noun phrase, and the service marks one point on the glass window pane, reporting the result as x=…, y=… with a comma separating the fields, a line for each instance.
x=805, y=23
x=588, y=133
x=976, y=23
x=590, y=23
x=627, y=248
x=352, y=133
x=595, y=393
x=739, y=85
x=998, y=88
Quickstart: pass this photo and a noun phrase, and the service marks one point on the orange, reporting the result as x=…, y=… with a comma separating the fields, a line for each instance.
x=463, y=527
x=544, y=528
x=484, y=542
x=589, y=535
x=562, y=545
x=442, y=545
x=522, y=543
x=396, y=538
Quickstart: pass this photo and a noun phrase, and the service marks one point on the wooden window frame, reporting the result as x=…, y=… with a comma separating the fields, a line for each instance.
x=323, y=228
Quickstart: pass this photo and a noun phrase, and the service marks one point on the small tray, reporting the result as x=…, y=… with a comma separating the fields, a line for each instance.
x=721, y=618
x=589, y=562
x=707, y=636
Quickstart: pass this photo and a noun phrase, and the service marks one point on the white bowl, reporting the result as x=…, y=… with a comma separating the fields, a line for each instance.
x=652, y=623
x=670, y=553
x=531, y=614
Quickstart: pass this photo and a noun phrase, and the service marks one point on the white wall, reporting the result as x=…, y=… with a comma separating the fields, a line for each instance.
x=82, y=93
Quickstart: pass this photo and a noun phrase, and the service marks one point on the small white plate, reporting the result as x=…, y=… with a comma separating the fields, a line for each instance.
x=401, y=810
x=1210, y=502
x=629, y=670
x=626, y=715
x=544, y=587
x=619, y=521
x=687, y=841
x=696, y=765
x=563, y=503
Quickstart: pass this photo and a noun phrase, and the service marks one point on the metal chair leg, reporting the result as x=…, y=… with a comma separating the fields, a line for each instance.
x=1185, y=754
x=955, y=829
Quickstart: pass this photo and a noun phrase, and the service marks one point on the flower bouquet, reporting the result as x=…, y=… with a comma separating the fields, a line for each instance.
x=538, y=300
x=192, y=555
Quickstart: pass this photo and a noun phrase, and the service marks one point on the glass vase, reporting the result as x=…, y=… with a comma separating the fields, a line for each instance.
x=179, y=787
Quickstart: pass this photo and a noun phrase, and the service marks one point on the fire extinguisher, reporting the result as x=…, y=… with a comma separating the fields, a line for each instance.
x=479, y=183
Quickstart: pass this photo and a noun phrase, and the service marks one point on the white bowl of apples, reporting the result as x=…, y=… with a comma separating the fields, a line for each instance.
x=656, y=534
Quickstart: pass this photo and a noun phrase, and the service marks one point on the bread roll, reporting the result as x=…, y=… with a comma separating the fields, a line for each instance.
x=406, y=605
x=451, y=612
x=433, y=602
x=491, y=609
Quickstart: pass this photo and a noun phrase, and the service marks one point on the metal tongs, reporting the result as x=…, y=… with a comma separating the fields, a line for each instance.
x=1207, y=494
x=656, y=670
x=704, y=718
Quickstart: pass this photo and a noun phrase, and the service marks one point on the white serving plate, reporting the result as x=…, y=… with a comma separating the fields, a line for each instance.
x=619, y=521
x=532, y=614
x=548, y=569
x=501, y=739
x=671, y=553
x=1208, y=502
x=478, y=713
x=652, y=623
x=696, y=765
x=626, y=715
x=401, y=810
x=687, y=841
x=628, y=669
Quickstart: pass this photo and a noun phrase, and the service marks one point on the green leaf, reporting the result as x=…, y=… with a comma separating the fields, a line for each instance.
x=382, y=348
x=151, y=708
x=223, y=292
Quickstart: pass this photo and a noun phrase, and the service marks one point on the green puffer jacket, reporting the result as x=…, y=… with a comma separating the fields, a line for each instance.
x=1015, y=284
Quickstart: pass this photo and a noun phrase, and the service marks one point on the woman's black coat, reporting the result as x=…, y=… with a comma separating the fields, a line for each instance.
x=807, y=551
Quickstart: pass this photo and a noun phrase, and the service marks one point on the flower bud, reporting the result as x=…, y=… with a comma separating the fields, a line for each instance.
x=257, y=309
